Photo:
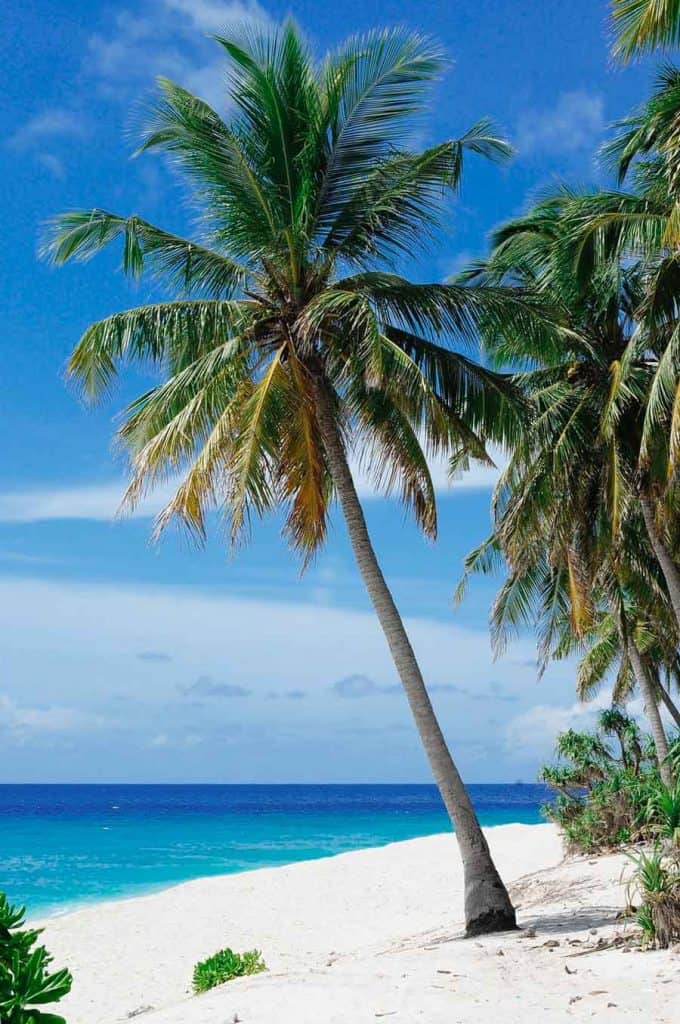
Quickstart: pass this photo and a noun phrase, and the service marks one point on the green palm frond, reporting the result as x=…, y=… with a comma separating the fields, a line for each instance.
x=170, y=333
x=304, y=192
x=178, y=263
x=644, y=25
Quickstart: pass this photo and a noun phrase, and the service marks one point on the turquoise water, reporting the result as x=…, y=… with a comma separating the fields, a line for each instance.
x=65, y=845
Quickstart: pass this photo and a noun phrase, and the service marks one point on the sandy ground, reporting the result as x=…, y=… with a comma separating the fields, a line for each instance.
x=370, y=936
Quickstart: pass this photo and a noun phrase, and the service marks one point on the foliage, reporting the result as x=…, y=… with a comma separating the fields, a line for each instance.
x=309, y=195
x=571, y=510
x=225, y=965
x=656, y=881
x=26, y=982
x=609, y=790
x=644, y=25
x=663, y=813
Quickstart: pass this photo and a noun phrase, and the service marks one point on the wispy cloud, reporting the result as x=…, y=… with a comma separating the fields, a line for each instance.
x=155, y=656
x=41, y=134
x=535, y=729
x=23, y=721
x=575, y=122
x=205, y=687
x=167, y=37
x=80, y=501
x=357, y=686
x=282, y=646
x=101, y=501
x=53, y=123
x=181, y=740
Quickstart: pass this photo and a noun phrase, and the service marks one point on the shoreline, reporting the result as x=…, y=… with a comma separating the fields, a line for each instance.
x=40, y=918
x=366, y=934
x=40, y=914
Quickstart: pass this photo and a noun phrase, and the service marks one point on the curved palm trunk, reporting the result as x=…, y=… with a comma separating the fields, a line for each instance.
x=651, y=710
x=669, y=569
x=671, y=706
x=487, y=904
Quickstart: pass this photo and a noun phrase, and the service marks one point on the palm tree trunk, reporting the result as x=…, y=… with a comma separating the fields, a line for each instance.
x=487, y=904
x=669, y=703
x=651, y=710
x=669, y=569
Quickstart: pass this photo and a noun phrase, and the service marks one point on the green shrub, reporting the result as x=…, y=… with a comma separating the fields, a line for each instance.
x=663, y=812
x=25, y=981
x=656, y=881
x=224, y=966
x=609, y=790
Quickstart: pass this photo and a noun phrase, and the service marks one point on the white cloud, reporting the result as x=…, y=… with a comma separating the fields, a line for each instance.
x=70, y=663
x=53, y=164
x=101, y=501
x=575, y=122
x=51, y=124
x=214, y=15
x=168, y=37
x=534, y=730
x=22, y=720
x=88, y=501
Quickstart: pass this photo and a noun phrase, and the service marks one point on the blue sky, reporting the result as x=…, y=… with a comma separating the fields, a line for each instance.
x=122, y=661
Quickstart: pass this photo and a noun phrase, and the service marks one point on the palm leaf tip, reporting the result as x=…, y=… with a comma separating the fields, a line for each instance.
x=641, y=26
x=485, y=139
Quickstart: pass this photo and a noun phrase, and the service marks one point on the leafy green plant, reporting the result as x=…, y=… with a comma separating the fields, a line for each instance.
x=225, y=965
x=656, y=880
x=25, y=979
x=663, y=812
x=609, y=789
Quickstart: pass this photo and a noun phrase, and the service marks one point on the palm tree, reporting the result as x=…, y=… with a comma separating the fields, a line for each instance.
x=567, y=512
x=643, y=226
x=602, y=651
x=293, y=340
x=644, y=25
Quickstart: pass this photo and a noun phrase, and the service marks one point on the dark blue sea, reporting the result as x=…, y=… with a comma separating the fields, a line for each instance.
x=65, y=845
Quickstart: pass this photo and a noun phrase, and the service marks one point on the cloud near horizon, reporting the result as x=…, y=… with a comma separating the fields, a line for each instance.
x=205, y=687
x=289, y=648
x=100, y=501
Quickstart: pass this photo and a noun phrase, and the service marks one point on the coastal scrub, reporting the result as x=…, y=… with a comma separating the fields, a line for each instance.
x=224, y=966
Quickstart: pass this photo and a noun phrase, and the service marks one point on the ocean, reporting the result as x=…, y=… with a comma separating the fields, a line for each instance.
x=62, y=846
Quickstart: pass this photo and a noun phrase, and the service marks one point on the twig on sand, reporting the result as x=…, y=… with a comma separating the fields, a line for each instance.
x=602, y=944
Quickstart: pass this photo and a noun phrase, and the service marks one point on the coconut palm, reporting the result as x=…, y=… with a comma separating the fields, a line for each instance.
x=644, y=25
x=292, y=341
x=643, y=226
x=568, y=520
x=603, y=655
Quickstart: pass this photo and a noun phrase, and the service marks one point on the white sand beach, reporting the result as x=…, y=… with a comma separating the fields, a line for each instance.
x=369, y=936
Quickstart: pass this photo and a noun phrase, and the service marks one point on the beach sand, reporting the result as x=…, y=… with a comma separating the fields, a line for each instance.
x=371, y=936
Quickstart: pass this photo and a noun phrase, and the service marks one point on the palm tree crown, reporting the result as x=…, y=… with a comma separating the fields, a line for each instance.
x=308, y=197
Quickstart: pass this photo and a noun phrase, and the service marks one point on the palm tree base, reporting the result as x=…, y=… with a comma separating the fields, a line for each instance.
x=491, y=921
x=487, y=903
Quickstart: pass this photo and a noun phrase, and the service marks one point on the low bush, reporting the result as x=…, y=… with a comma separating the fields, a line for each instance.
x=26, y=983
x=609, y=790
x=225, y=965
x=656, y=882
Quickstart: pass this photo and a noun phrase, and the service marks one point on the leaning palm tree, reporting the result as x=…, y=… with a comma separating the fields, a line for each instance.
x=293, y=341
x=645, y=25
x=568, y=520
x=602, y=652
x=642, y=227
